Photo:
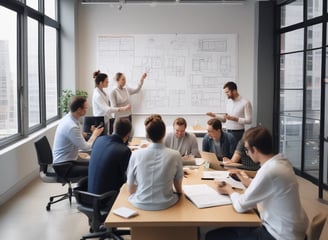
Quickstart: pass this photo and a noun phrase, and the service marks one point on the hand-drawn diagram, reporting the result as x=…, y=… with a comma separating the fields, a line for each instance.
x=186, y=72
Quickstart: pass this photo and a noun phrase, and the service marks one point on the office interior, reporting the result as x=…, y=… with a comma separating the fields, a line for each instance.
x=281, y=69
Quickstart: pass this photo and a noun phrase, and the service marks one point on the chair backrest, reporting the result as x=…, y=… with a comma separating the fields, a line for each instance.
x=316, y=226
x=44, y=153
x=95, y=206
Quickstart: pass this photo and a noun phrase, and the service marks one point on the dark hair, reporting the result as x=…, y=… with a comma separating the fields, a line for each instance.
x=180, y=121
x=151, y=117
x=76, y=103
x=230, y=85
x=122, y=127
x=215, y=123
x=155, y=128
x=118, y=76
x=260, y=138
x=99, y=77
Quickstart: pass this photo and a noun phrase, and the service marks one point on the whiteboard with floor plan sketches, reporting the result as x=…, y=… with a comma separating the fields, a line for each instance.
x=186, y=72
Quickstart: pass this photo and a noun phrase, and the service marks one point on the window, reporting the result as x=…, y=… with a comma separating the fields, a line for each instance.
x=50, y=8
x=33, y=72
x=8, y=73
x=300, y=82
x=51, y=72
x=28, y=67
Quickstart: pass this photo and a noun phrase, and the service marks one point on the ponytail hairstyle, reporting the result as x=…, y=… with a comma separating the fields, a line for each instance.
x=99, y=77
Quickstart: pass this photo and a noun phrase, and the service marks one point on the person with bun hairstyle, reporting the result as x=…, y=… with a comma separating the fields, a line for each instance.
x=120, y=96
x=153, y=171
x=101, y=105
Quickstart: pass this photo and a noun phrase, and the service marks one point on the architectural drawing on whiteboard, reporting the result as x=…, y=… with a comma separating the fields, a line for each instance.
x=200, y=81
x=162, y=99
x=175, y=66
x=226, y=68
x=186, y=72
x=205, y=63
x=155, y=99
x=213, y=63
x=207, y=98
x=213, y=45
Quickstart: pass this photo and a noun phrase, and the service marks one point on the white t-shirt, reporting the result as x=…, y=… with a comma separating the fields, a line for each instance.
x=275, y=189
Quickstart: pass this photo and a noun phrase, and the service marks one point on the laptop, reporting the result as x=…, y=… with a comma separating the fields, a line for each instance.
x=212, y=160
x=88, y=121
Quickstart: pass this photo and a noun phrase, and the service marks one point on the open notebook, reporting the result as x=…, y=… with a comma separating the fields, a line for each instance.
x=204, y=196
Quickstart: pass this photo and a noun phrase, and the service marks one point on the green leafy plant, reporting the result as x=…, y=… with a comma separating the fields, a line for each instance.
x=66, y=97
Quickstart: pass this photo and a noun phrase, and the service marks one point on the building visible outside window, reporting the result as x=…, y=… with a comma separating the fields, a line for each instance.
x=28, y=67
x=51, y=72
x=33, y=72
x=8, y=73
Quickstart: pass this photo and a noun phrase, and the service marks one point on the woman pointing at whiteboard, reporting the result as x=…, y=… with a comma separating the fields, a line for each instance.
x=120, y=95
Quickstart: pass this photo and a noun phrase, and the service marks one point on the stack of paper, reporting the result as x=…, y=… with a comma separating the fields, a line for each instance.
x=204, y=196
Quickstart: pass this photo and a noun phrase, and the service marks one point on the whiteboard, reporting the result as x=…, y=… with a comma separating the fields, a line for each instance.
x=186, y=72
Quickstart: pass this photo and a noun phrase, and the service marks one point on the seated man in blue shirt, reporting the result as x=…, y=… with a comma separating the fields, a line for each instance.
x=222, y=143
x=109, y=159
x=69, y=139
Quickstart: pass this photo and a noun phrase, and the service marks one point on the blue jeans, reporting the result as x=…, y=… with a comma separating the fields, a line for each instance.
x=240, y=233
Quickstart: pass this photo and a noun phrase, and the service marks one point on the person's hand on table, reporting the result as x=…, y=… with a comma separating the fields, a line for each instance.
x=243, y=177
x=223, y=187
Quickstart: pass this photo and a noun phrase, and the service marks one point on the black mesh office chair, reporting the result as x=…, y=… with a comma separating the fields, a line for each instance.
x=97, y=207
x=50, y=175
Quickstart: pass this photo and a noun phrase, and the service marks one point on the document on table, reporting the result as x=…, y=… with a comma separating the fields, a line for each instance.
x=204, y=196
x=222, y=176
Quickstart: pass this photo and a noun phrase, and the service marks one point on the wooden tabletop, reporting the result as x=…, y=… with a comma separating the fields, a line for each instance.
x=183, y=213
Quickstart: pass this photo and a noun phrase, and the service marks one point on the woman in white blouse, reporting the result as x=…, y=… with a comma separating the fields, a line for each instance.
x=120, y=96
x=101, y=104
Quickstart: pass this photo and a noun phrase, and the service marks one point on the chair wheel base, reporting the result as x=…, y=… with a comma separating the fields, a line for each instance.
x=48, y=207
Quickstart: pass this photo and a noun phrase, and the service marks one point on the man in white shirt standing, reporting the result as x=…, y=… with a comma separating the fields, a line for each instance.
x=274, y=188
x=239, y=111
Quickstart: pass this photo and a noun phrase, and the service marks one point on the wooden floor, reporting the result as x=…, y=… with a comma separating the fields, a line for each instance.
x=25, y=216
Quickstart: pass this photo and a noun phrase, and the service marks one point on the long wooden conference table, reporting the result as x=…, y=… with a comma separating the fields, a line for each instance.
x=180, y=221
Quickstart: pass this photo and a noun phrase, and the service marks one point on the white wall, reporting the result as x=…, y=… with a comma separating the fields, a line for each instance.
x=164, y=19
x=19, y=163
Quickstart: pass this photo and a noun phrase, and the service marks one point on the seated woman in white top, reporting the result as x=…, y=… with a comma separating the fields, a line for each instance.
x=120, y=96
x=153, y=171
x=101, y=105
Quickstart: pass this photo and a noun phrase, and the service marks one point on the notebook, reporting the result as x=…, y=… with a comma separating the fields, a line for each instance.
x=125, y=212
x=203, y=196
x=212, y=160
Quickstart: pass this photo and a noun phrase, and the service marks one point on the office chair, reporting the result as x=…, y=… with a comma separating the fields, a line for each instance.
x=316, y=226
x=50, y=174
x=97, y=207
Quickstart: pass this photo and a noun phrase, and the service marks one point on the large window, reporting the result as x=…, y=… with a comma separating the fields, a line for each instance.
x=28, y=67
x=301, y=80
x=8, y=73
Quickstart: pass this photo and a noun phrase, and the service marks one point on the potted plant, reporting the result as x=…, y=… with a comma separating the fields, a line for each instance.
x=66, y=97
